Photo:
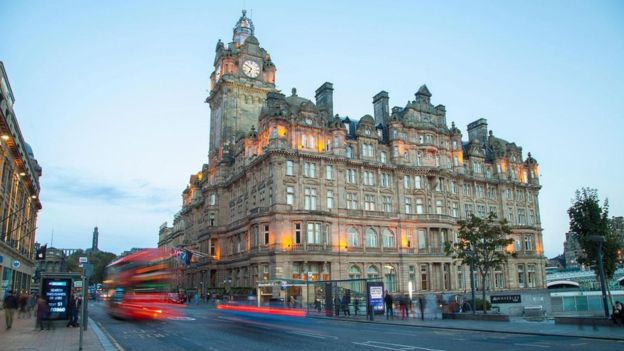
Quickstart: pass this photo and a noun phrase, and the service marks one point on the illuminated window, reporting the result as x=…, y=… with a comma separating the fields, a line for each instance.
x=213, y=247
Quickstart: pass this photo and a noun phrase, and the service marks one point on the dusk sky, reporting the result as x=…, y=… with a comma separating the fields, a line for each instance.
x=110, y=95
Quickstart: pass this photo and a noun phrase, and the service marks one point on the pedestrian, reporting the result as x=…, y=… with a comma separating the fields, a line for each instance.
x=30, y=306
x=42, y=312
x=389, y=301
x=10, y=305
x=337, y=303
x=402, y=306
x=22, y=301
x=618, y=312
x=345, y=305
x=72, y=311
x=356, y=305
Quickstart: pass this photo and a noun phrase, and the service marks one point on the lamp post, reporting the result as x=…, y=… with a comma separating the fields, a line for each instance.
x=599, y=239
x=470, y=254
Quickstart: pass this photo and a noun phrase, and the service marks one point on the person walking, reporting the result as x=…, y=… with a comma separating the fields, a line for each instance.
x=42, y=311
x=10, y=305
x=402, y=306
x=72, y=311
x=30, y=306
x=618, y=312
x=22, y=300
x=389, y=301
x=345, y=305
x=356, y=305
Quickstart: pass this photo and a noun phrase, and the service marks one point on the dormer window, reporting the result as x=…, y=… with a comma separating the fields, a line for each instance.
x=379, y=133
x=454, y=144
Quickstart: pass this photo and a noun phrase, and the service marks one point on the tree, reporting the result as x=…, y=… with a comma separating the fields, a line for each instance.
x=487, y=239
x=588, y=218
x=99, y=260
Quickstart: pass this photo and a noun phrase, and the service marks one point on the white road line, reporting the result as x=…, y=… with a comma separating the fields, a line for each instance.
x=395, y=347
x=308, y=335
x=533, y=345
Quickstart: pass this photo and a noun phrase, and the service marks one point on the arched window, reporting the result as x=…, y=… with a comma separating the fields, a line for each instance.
x=371, y=238
x=354, y=272
x=353, y=237
x=388, y=239
x=390, y=278
x=372, y=272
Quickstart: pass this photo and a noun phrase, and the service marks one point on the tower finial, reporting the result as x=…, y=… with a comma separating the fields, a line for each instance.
x=244, y=12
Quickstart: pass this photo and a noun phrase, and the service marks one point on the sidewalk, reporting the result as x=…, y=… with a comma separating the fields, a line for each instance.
x=23, y=336
x=517, y=325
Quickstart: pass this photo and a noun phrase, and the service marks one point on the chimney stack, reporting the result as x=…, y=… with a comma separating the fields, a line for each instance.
x=325, y=99
x=477, y=130
x=381, y=107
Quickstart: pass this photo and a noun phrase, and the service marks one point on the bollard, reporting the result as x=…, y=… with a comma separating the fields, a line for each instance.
x=371, y=312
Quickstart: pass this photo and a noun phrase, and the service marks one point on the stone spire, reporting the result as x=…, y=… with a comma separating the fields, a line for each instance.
x=244, y=28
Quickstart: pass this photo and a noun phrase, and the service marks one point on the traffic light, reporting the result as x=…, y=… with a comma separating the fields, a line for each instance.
x=41, y=252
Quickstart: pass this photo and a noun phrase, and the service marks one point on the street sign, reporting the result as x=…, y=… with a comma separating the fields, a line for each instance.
x=16, y=264
x=83, y=259
x=88, y=269
x=77, y=283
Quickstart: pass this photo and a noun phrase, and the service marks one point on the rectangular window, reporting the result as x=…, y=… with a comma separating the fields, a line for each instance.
x=412, y=276
x=266, y=234
x=531, y=275
x=309, y=202
x=467, y=190
x=297, y=233
x=351, y=176
x=290, y=168
x=314, y=233
x=510, y=215
x=213, y=247
x=309, y=169
x=468, y=210
x=382, y=157
x=499, y=281
x=406, y=182
x=439, y=207
x=369, y=178
x=387, y=203
x=531, y=217
x=290, y=195
x=454, y=187
x=352, y=201
x=521, y=216
x=408, y=205
x=493, y=210
x=417, y=182
x=424, y=277
x=422, y=241
x=330, y=199
x=329, y=172
x=521, y=276
x=369, y=202
x=385, y=180
x=481, y=211
x=509, y=194
x=455, y=210
x=528, y=243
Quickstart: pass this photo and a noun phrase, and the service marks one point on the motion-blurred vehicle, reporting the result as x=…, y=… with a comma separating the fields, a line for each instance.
x=138, y=286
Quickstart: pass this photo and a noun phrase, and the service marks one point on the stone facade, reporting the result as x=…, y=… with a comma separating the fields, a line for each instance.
x=300, y=193
x=19, y=197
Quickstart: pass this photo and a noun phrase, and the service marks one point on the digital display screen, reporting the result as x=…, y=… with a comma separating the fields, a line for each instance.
x=57, y=293
x=376, y=296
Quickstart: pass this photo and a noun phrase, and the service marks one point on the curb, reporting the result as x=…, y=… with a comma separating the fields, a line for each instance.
x=106, y=340
x=474, y=329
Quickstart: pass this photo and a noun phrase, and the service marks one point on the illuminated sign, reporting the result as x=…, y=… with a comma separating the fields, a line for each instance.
x=57, y=293
x=376, y=296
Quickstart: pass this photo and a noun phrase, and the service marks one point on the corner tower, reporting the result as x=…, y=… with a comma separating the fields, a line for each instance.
x=243, y=75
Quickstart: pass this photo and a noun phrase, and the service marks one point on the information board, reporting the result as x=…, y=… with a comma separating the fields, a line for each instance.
x=376, y=296
x=506, y=299
x=57, y=293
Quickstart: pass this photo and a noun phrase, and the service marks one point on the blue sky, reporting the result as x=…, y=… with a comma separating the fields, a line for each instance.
x=110, y=94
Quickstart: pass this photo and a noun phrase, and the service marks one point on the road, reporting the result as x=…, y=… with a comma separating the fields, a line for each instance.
x=204, y=328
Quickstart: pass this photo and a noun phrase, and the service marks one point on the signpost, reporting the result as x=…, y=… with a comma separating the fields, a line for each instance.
x=87, y=270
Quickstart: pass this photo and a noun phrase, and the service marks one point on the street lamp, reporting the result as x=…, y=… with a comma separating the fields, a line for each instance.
x=470, y=254
x=600, y=239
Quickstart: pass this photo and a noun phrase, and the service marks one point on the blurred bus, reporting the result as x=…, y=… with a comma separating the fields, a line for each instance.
x=138, y=286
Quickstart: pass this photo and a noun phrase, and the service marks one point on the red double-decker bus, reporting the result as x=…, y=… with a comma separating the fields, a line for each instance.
x=138, y=286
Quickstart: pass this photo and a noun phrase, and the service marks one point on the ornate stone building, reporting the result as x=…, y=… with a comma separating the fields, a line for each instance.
x=19, y=197
x=293, y=191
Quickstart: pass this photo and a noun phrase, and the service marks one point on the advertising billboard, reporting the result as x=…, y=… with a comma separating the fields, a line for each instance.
x=57, y=292
x=375, y=293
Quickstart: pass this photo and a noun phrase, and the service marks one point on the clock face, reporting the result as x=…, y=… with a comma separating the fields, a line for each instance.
x=251, y=69
x=308, y=121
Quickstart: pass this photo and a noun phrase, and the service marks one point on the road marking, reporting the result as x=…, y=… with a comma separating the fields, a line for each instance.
x=181, y=318
x=395, y=347
x=308, y=335
x=110, y=337
x=533, y=345
x=579, y=344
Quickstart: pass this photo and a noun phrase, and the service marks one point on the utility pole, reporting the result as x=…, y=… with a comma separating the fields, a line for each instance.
x=599, y=239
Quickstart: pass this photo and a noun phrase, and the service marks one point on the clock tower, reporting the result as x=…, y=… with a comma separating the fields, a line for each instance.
x=243, y=75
